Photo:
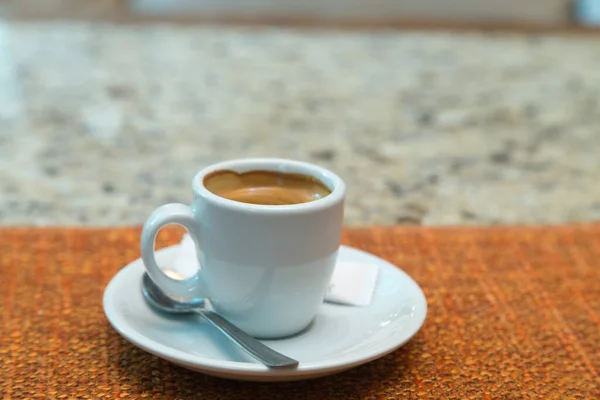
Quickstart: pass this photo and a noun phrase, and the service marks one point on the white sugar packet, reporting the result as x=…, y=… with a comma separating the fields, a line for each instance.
x=351, y=284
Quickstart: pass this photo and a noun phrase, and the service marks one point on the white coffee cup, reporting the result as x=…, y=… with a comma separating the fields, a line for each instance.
x=265, y=268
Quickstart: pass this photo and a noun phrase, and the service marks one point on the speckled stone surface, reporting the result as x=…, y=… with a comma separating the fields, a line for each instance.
x=99, y=124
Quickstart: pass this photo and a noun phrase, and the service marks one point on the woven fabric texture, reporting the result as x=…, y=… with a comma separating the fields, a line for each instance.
x=514, y=313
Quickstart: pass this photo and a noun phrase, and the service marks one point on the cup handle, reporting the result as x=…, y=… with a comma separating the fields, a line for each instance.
x=174, y=213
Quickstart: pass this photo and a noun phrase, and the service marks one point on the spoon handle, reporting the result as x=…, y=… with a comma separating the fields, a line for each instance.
x=265, y=354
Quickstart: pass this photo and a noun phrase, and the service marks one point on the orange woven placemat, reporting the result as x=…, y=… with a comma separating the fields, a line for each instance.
x=513, y=313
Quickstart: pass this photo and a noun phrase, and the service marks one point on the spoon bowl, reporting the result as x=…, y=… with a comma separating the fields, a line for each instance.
x=159, y=300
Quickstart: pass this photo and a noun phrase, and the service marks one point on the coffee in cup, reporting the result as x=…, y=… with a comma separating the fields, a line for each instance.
x=266, y=187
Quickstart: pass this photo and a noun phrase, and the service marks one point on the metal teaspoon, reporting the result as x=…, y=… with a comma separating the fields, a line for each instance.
x=159, y=300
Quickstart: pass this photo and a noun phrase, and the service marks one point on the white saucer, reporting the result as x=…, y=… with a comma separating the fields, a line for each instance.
x=341, y=337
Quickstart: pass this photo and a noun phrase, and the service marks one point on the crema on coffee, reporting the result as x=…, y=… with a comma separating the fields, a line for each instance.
x=266, y=187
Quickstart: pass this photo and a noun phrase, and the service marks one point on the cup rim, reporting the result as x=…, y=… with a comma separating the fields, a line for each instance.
x=332, y=180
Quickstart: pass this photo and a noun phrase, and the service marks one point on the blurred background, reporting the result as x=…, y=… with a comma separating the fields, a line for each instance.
x=435, y=112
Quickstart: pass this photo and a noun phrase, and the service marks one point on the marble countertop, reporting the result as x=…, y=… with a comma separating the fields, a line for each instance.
x=100, y=123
